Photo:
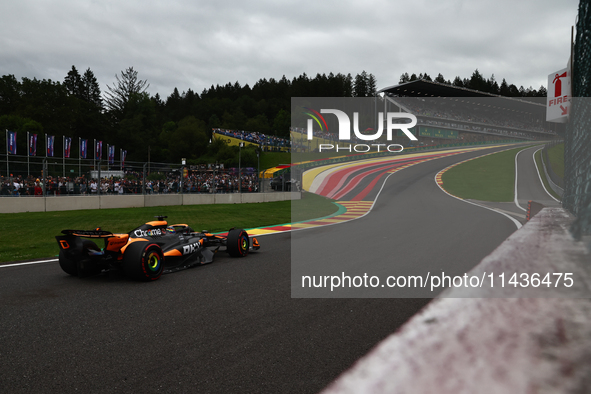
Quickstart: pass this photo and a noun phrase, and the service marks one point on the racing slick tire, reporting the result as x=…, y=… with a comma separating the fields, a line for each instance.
x=237, y=242
x=143, y=261
x=70, y=266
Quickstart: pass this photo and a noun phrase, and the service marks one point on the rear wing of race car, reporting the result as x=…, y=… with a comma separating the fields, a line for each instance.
x=89, y=233
x=71, y=240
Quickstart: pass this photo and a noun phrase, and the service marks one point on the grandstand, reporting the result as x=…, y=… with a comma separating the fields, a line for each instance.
x=446, y=115
x=267, y=143
x=445, y=112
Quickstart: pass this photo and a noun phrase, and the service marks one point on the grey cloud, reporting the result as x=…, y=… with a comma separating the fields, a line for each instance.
x=194, y=44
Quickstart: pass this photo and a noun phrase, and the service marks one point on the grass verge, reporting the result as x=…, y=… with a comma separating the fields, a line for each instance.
x=556, y=158
x=30, y=235
x=538, y=158
x=273, y=159
x=489, y=178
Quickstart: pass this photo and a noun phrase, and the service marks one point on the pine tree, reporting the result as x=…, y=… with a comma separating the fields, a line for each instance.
x=91, y=91
x=73, y=82
x=120, y=93
x=371, y=85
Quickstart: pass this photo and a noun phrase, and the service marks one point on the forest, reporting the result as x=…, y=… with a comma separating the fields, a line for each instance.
x=179, y=125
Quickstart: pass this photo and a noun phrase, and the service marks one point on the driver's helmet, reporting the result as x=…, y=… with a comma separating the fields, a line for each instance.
x=170, y=230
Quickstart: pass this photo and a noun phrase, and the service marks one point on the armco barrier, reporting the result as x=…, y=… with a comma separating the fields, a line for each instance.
x=73, y=203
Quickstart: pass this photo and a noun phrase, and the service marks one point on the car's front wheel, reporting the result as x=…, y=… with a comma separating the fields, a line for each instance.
x=237, y=242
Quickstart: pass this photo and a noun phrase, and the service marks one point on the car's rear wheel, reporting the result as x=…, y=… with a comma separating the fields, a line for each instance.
x=143, y=261
x=237, y=242
x=70, y=266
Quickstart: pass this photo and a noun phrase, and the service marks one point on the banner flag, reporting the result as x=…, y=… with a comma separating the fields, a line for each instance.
x=12, y=142
x=33, y=145
x=98, y=150
x=50, y=145
x=111, y=154
x=67, y=147
x=83, y=148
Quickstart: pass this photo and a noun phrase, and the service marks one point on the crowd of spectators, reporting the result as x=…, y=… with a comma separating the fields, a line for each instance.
x=196, y=182
x=256, y=138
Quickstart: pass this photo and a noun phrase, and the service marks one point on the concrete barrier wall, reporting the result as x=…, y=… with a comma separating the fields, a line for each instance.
x=22, y=204
x=504, y=339
x=72, y=203
x=162, y=200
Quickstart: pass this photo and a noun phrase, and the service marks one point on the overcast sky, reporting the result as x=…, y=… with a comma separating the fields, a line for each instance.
x=194, y=44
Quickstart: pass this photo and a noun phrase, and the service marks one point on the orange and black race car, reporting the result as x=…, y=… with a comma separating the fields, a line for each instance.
x=148, y=251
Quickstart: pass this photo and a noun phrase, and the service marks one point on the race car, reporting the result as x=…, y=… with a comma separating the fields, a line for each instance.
x=148, y=251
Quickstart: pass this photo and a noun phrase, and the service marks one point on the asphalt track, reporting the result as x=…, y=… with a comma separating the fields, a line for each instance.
x=532, y=190
x=233, y=326
x=414, y=229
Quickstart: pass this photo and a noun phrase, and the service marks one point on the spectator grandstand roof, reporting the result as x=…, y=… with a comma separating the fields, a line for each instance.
x=424, y=88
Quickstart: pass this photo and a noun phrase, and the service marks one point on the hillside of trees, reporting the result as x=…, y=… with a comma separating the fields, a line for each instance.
x=478, y=82
x=180, y=125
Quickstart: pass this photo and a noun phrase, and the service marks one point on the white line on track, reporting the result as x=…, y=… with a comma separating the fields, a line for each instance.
x=516, y=201
x=515, y=221
x=29, y=263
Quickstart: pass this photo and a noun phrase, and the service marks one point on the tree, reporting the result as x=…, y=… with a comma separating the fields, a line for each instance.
x=9, y=94
x=121, y=92
x=504, y=89
x=189, y=140
x=458, y=82
x=371, y=85
x=73, y=82
x=360, y=86
x=492, y=85
x=477, y=82
x=91, y=91
x=348, y=86
x=282, y=123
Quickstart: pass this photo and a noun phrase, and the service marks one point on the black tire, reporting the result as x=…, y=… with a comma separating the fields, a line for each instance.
x=143, y=261
x=70, y=266
x=237, y=242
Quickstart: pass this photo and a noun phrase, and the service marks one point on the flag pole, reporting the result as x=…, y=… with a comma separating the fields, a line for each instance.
x=28, y=154
x=7, y=164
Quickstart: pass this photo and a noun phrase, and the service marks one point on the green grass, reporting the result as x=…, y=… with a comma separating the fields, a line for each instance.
x=311, y=206
x=273, y=159
x=556, y=158
x=538, y=158
x=489, y=178
x=30, y=235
